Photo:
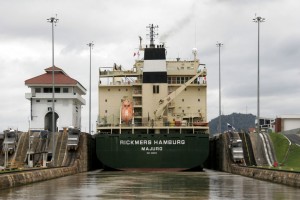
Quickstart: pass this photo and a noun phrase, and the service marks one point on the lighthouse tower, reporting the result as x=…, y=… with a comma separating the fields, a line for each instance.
x=67, y=100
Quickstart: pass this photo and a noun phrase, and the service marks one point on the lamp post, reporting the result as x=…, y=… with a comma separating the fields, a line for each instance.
x=219, y=45
x=53, y=21
x=258, y=20
x=91, y=46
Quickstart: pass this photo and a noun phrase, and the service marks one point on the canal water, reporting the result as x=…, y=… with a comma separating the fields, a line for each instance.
x=152, y=185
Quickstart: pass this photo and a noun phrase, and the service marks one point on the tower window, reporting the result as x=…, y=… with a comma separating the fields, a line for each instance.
x=65, y=90
x=37, y=90
x=155, y=89
x=47, y=90
x=57, y=90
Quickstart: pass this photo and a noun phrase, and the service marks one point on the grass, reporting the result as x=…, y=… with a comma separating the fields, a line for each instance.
x=293, y=158
x=281, y=146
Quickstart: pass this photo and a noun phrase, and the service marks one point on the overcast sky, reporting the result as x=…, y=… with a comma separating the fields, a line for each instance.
x=114, y=27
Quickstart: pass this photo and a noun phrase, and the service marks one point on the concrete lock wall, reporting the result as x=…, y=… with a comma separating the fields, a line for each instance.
x=219, y=159
x=276, y=176
x=82, y=163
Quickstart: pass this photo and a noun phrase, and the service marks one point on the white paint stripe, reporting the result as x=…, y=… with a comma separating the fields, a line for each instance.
x=155, y=66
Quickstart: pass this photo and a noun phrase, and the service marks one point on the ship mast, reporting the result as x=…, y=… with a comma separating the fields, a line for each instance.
x=152, y=34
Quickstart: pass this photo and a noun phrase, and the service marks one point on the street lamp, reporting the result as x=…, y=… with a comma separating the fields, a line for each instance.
x=91, y=46
x=219, y=45
x=258, y=20
x=53, y=21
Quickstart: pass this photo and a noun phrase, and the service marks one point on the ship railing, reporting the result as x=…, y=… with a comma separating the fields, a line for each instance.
x=137, y=103
x=117, y=73
x=136, y=91
x=154, y=124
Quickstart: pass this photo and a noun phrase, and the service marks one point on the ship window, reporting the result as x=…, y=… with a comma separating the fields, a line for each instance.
x=37, y=90
x=119, y=89
x=198, y=89
x=198, y=110
x=173, y=80
x=105, y=111
x=199, y=100
x=65, y=90
x=105, y=100
x=187, y=78
x=38, y=100
x=155, y=89
x=178, y=80
x=182, y=100
x=182, y=111
x=182, y=80
x=108, y=89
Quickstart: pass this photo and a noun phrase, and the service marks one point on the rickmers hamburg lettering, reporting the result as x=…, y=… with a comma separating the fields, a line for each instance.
x=145, y=144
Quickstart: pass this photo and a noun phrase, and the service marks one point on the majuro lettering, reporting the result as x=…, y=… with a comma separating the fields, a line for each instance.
x=151, y=148
x=150, y=142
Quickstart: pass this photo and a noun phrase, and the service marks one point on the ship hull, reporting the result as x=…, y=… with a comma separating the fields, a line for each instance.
x=152, y=152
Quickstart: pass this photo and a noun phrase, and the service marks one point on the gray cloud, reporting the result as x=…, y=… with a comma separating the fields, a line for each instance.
x=114, y=26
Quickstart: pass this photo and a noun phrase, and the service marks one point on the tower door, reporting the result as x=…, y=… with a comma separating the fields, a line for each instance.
x=48, y=121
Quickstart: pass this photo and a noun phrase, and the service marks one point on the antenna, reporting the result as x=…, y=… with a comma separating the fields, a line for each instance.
x=140, y=43
x=195, y=34
x=152, y=34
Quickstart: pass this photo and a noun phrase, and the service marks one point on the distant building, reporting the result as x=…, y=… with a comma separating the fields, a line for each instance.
x=67, y=99
x=287, y=122
x=266, y=123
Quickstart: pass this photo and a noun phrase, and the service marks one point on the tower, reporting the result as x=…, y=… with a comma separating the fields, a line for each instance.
x=68, y=100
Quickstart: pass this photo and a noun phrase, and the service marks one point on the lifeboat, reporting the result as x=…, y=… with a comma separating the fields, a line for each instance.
x=126, y=111
x=198, y=123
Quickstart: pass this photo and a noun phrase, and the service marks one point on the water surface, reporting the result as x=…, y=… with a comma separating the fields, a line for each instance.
x=152, y=185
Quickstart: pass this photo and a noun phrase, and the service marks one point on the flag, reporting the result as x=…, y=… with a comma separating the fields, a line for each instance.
x=134, y=54
x=230, y=126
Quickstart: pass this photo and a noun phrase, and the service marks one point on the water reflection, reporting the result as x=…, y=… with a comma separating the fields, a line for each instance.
x=156, y=185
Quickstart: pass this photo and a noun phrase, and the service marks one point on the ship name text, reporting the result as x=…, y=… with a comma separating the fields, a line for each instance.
x=152, y=142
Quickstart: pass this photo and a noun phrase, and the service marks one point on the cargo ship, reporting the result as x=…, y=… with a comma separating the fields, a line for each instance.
x=154, y=115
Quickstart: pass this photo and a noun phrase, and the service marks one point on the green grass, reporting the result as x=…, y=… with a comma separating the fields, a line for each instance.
x=293, y=158
x=281, y=146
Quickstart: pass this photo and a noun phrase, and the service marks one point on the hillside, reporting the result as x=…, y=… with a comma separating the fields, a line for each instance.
x=241, y=122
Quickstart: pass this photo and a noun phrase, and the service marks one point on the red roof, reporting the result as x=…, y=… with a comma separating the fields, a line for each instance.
x=60, y=77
